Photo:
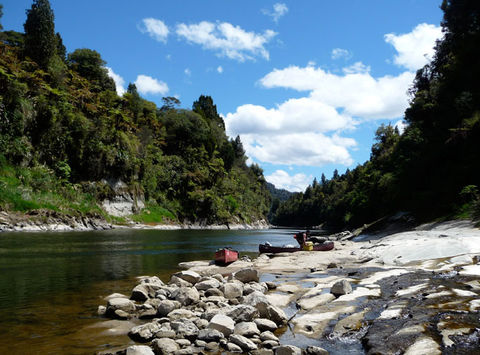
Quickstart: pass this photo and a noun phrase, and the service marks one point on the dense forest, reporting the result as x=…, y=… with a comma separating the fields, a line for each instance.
x=430, y=170
x=65, y=132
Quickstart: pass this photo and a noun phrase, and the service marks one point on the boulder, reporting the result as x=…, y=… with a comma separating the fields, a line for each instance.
x=211, y=346
x=255, y=298
x=207, y=284
x=185, y=351
x=219, y=277
x=200, y=343
x=183, y=342
x=166, y=306
x=269, y=344
x=246, y=275
x=267, y=335
x=288, y=350
x=180, y=313
x=315, y=350
x=209, y=335
x=247, y=329
x=271, y=285
x=147, y=311
x=165, y=331
x=139, y=350
x=242, y=313
x=174, y=280
x=341, y=288
x=101, y=310
x=144, y=332
x=232, y=290
x=185, y=328
x=244, y=343
x=201, y=323
x=276, y=315
x=115, y=295
x=186, y=295
x=214, y=292
x=233, y=348
x=223, y=324
x=119, y=314
x=165, y=346
x=123, y=304
x=139, y=293
x=260, y=287
x=264, y=324
x=189, y=276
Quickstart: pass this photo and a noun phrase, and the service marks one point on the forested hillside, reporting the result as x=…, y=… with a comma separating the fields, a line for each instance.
x=430, y=170
x=65, y=132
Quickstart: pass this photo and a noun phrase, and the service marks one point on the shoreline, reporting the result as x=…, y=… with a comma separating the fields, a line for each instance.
x=50, y=221
x=411, y=288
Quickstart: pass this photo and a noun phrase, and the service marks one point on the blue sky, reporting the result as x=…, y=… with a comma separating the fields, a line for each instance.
x=305, y=83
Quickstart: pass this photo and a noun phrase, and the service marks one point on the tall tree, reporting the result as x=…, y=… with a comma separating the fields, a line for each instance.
x=89, y=64
x=1, y=14
x=40, y=40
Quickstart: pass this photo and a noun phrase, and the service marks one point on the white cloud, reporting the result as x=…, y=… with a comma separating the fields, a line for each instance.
x=279, y=10
x=357, y=68
x=338, y=53
x=227, y=40
x=295, y=183
x=358, y=94
x=416, y=48
x=155, y=28
x=148, y=85
x=187, y=72
x=220, y=69
x=119, y=81
x=401, y=125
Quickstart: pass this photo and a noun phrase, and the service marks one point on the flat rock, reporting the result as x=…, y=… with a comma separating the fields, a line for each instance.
x=165, y=346
x=308, y=303
x=264, y=324
x=139, y=350
x=244, y=343
x=246, y=275
x=223, y=324
x=189, y=276
x=288, y=350
x=247, y=329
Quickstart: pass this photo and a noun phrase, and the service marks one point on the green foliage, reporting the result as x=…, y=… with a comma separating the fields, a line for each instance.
x=154, y=214
x=40, y=40
x=90, y=65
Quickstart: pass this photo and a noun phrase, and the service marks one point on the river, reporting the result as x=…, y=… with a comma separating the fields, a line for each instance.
x=51, y=283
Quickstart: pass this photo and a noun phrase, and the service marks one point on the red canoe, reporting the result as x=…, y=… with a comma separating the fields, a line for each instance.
x=265, y=248
x=226, y=256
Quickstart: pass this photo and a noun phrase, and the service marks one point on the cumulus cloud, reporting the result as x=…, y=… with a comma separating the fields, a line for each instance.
x=148, y=85
x=187, y=72
x=416, y=48
x=338, y=53
x=295, y=183
x=155, y=28
x=220, y=69
x=119, y=81
x=279, y=10
x=227, y=40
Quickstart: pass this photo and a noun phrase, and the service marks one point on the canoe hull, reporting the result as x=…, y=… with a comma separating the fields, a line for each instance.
x=263, y=248
x=226, y=256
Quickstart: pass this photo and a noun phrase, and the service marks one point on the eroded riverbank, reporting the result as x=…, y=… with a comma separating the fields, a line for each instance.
x=412, y=303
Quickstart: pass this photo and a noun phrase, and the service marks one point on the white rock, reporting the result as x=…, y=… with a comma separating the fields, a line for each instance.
x=242, y=342
x=222, y=323
x=189, y=276
x=246, y=275
x=139, y=350
x=165, y=346
x=288, y=350
x=247, y=329
x=264, y=324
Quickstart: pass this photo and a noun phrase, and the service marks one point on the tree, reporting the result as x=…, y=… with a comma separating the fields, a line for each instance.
x=40, y=40
x=61, y=50
x=169, y=103
x=1, y=14
x=89, y=64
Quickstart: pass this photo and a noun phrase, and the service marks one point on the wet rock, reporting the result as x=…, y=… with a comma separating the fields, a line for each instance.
x=167, y=306
x=139, y=293
x=174, y=280
x=144, y=332
x=233, y=348
x=232, y=290
x=264, y=324
x=223, y=324
x=139, y=350
x=180, y=313
x=210, y=335
x=123, y=304
x=165, y=346
x=213, y=292
x=242, y=313
x=247, y=329
x=275, y=314
x=185, y=328
x=189, y=276
x=101, y=310
x=244, y=343
x=207, y=284
x=271, y=285
x=332, y=266
x=341, y=288
x=315, y=350
x=267, y=335
x=246, y=275
x=186, y=295
x=288, y=350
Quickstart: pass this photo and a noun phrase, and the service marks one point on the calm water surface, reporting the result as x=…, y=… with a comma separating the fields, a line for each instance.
x=52, y=283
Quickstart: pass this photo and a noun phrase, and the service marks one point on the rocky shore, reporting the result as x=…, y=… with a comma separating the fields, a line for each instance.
x=376, y=296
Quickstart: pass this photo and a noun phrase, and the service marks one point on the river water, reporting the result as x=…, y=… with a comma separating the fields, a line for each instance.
x=52, y=283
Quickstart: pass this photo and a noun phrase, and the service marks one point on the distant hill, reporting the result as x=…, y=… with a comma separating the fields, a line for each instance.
x=281, y=194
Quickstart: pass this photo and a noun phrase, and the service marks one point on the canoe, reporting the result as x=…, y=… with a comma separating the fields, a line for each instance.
x=226, y=256
x=265, y=248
